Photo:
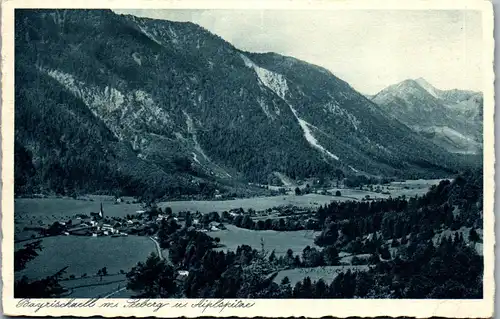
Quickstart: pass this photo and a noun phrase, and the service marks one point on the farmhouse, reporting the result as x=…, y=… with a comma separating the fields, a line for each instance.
x=182, y=275
x=215, y=226
x=161, y=217
x=217, y=194
x=108, y=229
x=183, y=272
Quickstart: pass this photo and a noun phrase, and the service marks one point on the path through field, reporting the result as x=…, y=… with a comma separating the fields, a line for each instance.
x=158, y=248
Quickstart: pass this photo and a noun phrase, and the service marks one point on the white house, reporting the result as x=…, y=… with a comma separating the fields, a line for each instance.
x=108, y=229
x=161, y=217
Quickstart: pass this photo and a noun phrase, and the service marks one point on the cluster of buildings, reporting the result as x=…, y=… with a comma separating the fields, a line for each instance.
x=212, y=226
x=94, y=226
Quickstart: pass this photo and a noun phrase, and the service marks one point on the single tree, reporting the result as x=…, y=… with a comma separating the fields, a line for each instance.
x=272, y=257
x=285, y=281
x=26, y=254
x=340, y=175
x=331, y=255
x=473, y=236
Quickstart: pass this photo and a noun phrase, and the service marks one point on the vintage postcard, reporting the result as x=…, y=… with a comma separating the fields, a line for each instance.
x=228, y=158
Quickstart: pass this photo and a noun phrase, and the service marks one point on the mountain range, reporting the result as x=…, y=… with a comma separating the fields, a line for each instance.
x=108, y=102
x=451, y=119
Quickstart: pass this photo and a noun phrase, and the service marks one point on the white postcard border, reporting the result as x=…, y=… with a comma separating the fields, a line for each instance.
x=264, y=307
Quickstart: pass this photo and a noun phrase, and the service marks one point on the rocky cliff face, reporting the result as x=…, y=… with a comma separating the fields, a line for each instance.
x=451, y=119
x=106, y=101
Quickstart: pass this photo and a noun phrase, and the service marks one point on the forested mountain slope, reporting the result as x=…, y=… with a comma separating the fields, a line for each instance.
x=108, y=102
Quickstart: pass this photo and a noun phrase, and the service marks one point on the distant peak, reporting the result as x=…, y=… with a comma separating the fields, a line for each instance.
x=409, y=83
x=428, y=87
x=423, y=82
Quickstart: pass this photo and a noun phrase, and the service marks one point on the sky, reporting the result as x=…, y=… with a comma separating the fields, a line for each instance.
x=369, y=49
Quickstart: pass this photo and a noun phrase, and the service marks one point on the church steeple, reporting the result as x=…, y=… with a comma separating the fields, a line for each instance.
x=101, y=212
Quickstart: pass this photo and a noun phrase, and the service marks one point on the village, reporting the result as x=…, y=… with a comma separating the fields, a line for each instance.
x=142, y=223
x=112, y=226
x=284, y=212
x=147, y=221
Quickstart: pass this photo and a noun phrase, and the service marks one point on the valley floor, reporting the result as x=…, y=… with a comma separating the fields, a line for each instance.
x=84, y=256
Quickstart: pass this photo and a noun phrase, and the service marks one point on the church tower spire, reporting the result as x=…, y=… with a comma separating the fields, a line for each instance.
x=101, y=212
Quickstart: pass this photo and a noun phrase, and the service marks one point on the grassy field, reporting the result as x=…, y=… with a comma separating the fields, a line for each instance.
x=87, y=255
x=327, y=273
x=93, y=286
x=417, y=183
x=465, y=233
x=256, y=203
x=409, y=188
x=33, y=212
x=50, y=209
x=356, y=194
x=279, y=241
x=348, y=259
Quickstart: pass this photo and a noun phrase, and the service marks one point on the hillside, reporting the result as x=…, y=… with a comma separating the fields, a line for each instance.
x=114, y=103
x=451, y=119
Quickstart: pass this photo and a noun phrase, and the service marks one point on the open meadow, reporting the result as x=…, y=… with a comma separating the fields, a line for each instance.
x=35, y=212
x=86, y=255
x=256, y=203
x=55, y=208
x=464, y=231
x=280, y=242
x=58, y=208
x=327, y=273
x=94, y=287
x=408, y=188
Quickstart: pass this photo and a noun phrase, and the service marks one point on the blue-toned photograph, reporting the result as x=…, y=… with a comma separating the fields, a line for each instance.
x=283, y=154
